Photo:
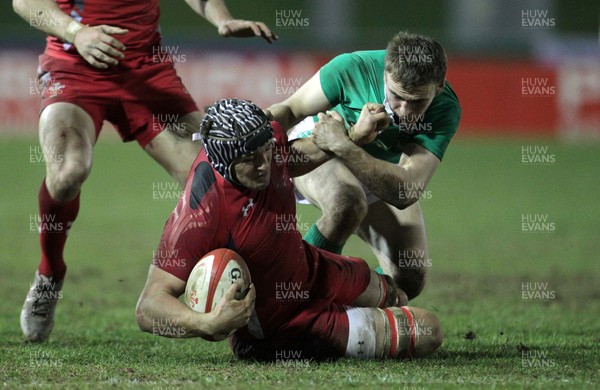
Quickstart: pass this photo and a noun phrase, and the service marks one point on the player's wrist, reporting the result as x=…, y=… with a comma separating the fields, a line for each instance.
x=71, y=31
x=343, y=146
x=203, y=324
x=223, y=26
x=353, y=137
x=352, y=134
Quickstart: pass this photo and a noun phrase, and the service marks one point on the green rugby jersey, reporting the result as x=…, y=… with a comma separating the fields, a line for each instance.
x=351, y=80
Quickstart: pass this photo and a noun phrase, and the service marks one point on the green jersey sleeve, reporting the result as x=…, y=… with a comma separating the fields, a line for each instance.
x=352, y=79
x=444, y=115
x=333, y=77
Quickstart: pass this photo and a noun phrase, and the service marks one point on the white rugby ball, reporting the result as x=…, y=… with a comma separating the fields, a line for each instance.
x=211, y=277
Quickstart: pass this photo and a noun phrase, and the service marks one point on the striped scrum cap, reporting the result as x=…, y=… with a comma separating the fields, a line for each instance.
x=232, y=128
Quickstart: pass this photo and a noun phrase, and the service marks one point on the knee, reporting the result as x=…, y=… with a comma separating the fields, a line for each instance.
x=411, y=270
x=67, y=138
x=65, y=182
x=411, y=281
x=347, y=208
x=142, y=319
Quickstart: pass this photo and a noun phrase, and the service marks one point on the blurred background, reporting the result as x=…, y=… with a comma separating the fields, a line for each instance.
x=529, y=67
x=514, y=203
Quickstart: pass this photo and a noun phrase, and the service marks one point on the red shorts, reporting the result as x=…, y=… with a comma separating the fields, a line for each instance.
x=320, y=330
x=140, y=97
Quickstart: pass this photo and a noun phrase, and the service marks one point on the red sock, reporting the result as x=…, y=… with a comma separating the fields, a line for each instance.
x=55, y=220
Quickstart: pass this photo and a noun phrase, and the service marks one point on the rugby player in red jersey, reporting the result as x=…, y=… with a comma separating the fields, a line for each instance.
x=238, y=189
x=100, y=63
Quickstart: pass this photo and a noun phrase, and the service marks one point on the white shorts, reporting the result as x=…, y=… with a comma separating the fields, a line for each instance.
x=302, y=130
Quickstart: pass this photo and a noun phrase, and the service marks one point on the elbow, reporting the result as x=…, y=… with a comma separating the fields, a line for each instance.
x=18, y=6
x=274, y=113
x=192, y=3
x=142, y=319
x=283, y=114
x=411, y=192
x=404, y=201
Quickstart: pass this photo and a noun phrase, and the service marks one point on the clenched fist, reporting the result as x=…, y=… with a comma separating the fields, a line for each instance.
x=373, y=118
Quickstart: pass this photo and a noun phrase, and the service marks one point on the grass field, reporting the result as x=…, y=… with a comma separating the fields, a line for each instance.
x=498, y=333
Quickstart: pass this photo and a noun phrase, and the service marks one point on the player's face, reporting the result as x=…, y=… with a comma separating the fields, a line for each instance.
x=254, y=171
x=410, y=105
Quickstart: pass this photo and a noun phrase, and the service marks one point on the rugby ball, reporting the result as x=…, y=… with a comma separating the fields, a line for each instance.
x=211, y=277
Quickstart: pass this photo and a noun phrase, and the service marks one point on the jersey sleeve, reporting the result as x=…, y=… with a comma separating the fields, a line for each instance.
x=336, y=74
x=194, y=227
x=279, y=133
x=444, y=117
x=282, y=149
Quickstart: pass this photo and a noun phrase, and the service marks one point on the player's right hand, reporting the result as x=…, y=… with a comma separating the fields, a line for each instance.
x=373, y=118
x=231, y=314
x=97, y=46
x=246, y=28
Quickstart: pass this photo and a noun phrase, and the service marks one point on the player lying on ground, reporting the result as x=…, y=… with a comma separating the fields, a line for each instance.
x=101, y=63
x=397, y=105
x=237, y=191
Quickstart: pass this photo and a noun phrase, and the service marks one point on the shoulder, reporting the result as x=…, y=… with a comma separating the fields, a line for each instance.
x=202, y=181
x=358, y=59
x=279, y=133
x=448, y=94
x=352, y=74
x=446, y=104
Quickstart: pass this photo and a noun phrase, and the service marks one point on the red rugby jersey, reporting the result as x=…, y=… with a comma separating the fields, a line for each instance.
x=140, y=17
x=259, y=225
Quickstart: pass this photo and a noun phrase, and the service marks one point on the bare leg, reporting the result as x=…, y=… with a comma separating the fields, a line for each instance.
x=67, y=136
x=177, y=152
x=332, y=188
x=398, y=239
x=381, y=292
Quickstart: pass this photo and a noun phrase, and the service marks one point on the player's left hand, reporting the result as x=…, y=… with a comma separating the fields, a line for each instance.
x=330, y=133
x=231, y=314
x=373, y=118
x=246, y=28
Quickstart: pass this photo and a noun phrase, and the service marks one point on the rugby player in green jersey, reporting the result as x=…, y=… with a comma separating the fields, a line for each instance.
x=392, y=116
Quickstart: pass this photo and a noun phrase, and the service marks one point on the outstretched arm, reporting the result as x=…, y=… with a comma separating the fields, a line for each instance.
x=305, y=156
x=159, y=311
x=216, y=12
x=306, y=101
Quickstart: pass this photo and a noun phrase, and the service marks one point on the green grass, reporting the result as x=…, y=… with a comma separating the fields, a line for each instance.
x=480, y=258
